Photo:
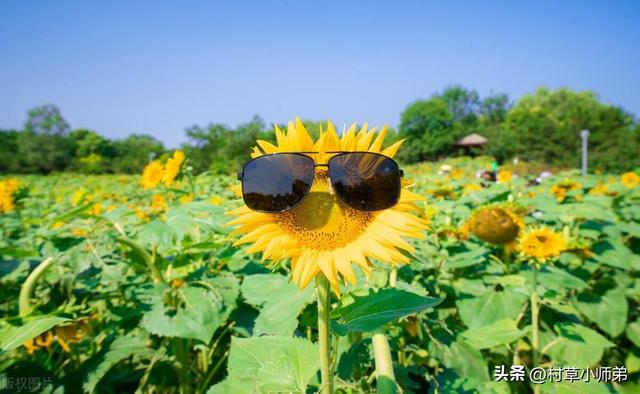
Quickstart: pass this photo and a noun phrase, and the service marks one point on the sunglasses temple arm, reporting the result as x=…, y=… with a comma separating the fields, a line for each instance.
x=400, y=171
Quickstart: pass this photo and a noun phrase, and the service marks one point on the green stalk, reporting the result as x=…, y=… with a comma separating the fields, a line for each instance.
x=535, y=324
x=156, y=276
x=385, y=379
x=26, y=291
x=324, y=340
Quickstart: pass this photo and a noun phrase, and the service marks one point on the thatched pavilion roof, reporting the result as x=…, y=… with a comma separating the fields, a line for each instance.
x=472, y=140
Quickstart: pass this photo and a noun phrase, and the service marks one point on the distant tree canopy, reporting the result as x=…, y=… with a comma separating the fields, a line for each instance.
x=47, y=144
x=543, y=126
x=220, y=149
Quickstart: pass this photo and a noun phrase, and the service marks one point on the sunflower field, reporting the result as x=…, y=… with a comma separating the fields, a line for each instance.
x=118, y=284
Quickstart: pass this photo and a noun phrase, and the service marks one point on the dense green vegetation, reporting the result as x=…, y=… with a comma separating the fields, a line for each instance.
x=540, y=127
x=142, y=290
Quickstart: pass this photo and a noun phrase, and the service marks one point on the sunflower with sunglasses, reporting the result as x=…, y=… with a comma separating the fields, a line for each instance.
x=327, y=204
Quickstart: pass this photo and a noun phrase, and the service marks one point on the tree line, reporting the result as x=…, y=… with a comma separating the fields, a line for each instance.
x=542, y=127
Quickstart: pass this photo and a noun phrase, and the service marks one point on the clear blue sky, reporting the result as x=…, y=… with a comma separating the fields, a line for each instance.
x=156, y=67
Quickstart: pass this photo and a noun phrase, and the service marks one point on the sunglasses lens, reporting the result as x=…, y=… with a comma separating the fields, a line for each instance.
x=276, y=183
x=365, y=181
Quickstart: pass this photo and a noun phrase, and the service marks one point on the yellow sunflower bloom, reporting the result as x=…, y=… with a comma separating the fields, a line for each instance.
x=322, y=235
x=172, y=168
x=630, y=179
x=152, y=175
x=186, y=198
x=470, y=188
x=158, y=203
x=542, y=243
x=7, y=189
x=504, y=176
x=96, y=209
x=495, y=224
x=559, y=193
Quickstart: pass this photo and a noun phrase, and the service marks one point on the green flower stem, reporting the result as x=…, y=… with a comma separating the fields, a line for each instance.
x=26, y=291
x=535, y=323
x=385, y=379
x=144, y=255
x=324, y=333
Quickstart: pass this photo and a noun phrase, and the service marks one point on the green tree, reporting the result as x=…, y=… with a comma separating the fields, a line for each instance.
x=493, y=109
x=8, y=147
x=545, y=127
x=432, y=126
x=463, y=104
x=134, y=152
x=92, y=152
x=221, y=149
x=429, y=127
x=43, y=145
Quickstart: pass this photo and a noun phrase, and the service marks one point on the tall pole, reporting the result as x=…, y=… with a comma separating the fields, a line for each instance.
x=584, y=134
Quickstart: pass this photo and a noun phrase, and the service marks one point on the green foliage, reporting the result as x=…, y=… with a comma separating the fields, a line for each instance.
x=269, y=364
x=542, y=127
x=43, y=146
x=223, y=150
x=279, y=300
x=428, y=125
x=180, y=308
x=13, y=337
x=497, y=333
x=133, y=345
x=545, y=126
x=378, y=308
x=195, y=311
x=134, y=152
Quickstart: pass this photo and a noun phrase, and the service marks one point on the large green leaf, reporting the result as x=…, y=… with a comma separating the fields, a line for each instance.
x=157, y=234
x=191, y=311
x=378, y=308
x=279, y=300
x=576, y=345
x=269, y=364
x=615, y=254
x=465, y=360
x=15, y=336
x=633, y=332
x=489, y=308
x=120, y=349
x=632, y=362
x=608, y=311
x=554, y=277
x=466, y=259
x=498, y=333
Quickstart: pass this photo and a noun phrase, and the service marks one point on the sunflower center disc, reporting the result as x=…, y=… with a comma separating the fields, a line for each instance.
x=322, y=221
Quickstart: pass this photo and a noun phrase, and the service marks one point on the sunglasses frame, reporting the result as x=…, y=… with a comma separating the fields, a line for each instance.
x=240, y=174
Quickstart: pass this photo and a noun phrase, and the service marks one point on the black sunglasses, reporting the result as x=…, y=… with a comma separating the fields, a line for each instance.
x=279, y=182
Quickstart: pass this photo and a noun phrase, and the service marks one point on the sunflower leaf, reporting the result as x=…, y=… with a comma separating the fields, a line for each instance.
x=576, y=345
x=198, y=311
x=269, y=364
x=378, y=308
x=501, y=332
x=280, y=303
x=133, y=344
x=14, y=337
x=486, y=309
